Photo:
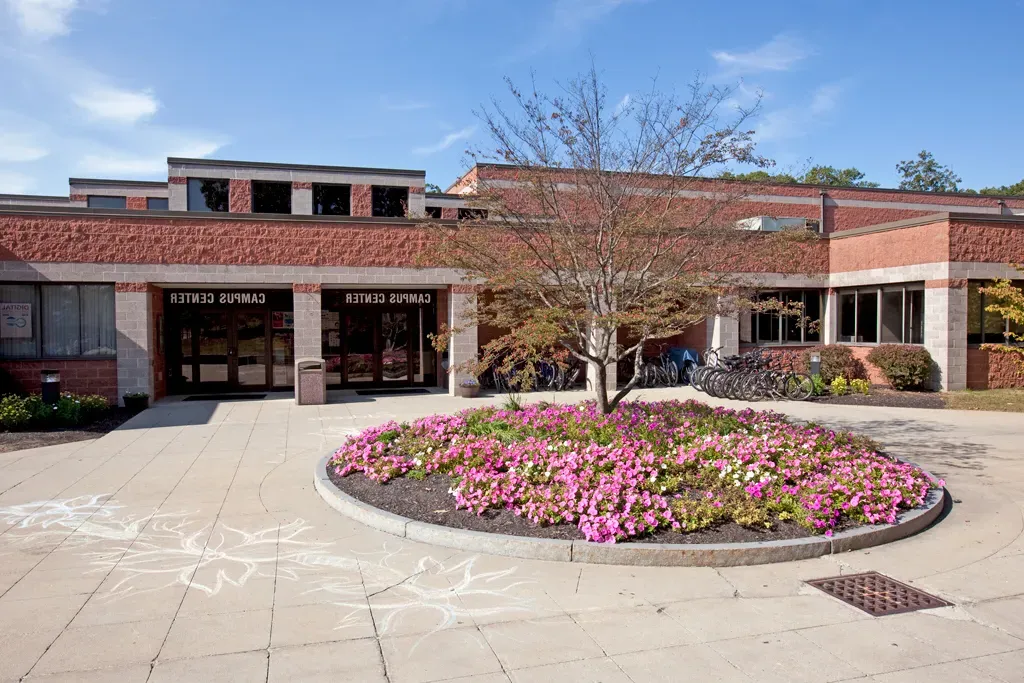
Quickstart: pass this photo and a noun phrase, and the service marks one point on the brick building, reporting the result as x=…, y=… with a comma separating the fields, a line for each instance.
x=217, y=279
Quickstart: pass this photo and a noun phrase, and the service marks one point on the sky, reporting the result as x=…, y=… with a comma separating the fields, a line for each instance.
x=110, y=88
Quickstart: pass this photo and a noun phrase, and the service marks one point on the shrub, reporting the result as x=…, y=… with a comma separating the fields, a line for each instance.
x=68, y=411
x=93, y=406
x=860, y=386
x=13, y=414
x=839, y=386
x=819, y=385
x=836, y=361
x=904, y=366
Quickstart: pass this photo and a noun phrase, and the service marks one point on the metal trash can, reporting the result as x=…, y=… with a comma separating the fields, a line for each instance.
x=310, y=381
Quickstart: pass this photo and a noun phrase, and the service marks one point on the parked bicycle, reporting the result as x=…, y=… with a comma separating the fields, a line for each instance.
x=750, y=377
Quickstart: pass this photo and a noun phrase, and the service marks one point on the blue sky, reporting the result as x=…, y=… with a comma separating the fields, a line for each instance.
x=110, y=88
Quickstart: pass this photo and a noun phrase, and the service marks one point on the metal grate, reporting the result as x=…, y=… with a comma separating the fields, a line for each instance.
x=877, y=594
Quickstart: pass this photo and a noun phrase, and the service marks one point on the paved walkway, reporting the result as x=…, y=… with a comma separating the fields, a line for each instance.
x=189, y=545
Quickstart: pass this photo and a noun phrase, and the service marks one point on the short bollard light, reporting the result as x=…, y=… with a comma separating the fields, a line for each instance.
x=815, y=364
x=49, y=381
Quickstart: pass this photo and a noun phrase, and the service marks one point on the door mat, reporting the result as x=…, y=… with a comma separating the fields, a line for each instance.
x=225, y=397
x=389, y=392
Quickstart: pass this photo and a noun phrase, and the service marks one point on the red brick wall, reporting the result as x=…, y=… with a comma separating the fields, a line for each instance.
x=136, y=203
x=875, y=375
x=992, y=370
x=362, y=200
x=986, y=242
x=903, y=247
x=239, y=196
x=77, y=376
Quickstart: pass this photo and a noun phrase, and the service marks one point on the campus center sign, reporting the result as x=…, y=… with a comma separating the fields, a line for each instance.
x=383, y=298
x=223, y=298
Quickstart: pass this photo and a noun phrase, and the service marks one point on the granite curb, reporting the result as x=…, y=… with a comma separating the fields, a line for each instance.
x=638, y=554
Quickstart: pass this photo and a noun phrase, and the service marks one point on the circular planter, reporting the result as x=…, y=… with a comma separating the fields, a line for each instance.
x=641, y=554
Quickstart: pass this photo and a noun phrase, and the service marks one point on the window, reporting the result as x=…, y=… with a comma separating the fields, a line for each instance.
x=390, y=202
x=772, y=328
x=271, y=197
x=98, y=201
x=207, y=195
x=887, y=315
x=332, y=200
x=156, y=203
x=985, y=327
x=472, y=214
x=59, y=321
x=433, y=212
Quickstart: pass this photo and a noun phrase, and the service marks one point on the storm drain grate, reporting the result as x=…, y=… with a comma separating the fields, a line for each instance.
x=877, y=594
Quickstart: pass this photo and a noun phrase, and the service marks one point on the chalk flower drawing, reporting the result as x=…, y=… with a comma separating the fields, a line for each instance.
x=133, y=549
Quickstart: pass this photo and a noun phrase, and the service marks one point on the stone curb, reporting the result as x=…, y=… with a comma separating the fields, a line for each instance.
x=639, y=554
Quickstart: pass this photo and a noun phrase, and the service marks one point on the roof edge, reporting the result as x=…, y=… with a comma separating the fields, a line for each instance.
x=38, y=210
x=116, y=183
x=296, y=167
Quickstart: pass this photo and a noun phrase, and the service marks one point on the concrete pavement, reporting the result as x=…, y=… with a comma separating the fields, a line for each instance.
x=189, y=545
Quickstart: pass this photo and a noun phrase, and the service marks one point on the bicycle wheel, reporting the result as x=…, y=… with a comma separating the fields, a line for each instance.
x=672, y=373
x=799, y=387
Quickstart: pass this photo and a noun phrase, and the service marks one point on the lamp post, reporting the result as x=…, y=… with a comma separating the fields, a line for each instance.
x=49, y=381
x=815, y=364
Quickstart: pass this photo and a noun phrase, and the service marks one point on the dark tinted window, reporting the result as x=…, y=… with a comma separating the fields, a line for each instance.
x=156, y=203
x=332, y=200
x=467, y=214
x=390, y=202
x=433, y=212
x=271, y=197
x=207, y=195
x=95, y=201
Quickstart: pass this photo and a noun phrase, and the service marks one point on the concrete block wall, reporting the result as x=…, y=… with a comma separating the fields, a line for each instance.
x=945, y=332
x=302, y=198
x=463, y=344
x=307, y=299
x=133, y=322
x=724, y=331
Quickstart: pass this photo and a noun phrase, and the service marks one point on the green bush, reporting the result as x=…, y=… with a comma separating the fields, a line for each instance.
x=904, y=366
x=838, y=386
x=819, y=385
x=13, y=414
x=836, y=361
x=93, y=406
x=68, y=411
x=860, y=386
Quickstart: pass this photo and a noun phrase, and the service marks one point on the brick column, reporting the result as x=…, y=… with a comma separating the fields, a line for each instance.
x=302, y=198
x=307, y=316
x=723, y=331
x=464, y=343
x=362, y=200
x=945, y=332
x=449, y=213
x=135, y=203
x=177, y=193
x=830, y=318
x=239, y=196
x=133, y=321
x=78, y=200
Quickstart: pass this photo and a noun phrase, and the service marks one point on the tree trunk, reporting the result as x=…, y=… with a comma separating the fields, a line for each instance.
x=601, y=389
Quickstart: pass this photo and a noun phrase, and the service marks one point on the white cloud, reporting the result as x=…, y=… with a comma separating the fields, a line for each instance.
x=17, y=147
x=130, y=163
x=621, y=106
x=565, y=24
x=778, y=54
x=42, y=18
x=389, y=104
x=15, y=183
x=795, y=121
x=106, y=103
x=447, y=141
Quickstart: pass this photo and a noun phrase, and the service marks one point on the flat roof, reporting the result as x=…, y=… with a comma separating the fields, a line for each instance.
x=117, y=183
x=293, y=167
x=49, y=197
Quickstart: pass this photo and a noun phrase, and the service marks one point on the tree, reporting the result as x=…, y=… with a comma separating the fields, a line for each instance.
x=837, y=177
x=601, y=223
x=924, y=174
x=1007, y=301
x=431, y=187
x=759, y=177
x=1015, y=189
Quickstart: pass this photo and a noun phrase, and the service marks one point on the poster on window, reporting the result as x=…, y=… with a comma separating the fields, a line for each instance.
x=330, y=320
x=15, y=321
x=283, y=320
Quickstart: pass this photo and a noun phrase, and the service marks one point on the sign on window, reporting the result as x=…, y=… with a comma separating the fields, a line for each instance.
x=16, y=321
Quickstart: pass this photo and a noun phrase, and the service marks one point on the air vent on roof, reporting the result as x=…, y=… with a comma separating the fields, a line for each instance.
x=775, y=224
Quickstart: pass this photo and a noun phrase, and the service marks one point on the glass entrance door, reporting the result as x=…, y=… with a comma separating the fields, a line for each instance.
x=360, y=348
x=223, y=350
x=394, y=344
x=377, y=348
x=249, y=350
x=212, y=349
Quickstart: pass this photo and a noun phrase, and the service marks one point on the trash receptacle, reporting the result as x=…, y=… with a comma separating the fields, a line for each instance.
x=310, y=381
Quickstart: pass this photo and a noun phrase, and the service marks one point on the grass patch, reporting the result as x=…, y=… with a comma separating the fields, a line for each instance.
x=1004, y=400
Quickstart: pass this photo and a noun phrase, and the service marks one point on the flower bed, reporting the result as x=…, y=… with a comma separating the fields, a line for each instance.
x=670, y=465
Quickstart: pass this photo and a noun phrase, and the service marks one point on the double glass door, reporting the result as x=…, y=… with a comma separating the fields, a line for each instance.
x=224, y=350
x=377, y=347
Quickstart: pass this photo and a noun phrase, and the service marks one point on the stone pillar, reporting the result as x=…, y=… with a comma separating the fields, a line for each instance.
x=723, y=331
x=362, y=200
x=302, y=198
x=133, y=321
x=306, y=302
x=136, y=203
x=177, y=193
x=417, y=202
x=463, y=346
x=449, y=213
x=945, y=332
x=611, y=371
x=240, y=195
x=78, y=200
x=830, y=317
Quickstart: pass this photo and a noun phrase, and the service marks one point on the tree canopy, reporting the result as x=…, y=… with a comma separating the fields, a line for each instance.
x=925, y=174
x=816, y=175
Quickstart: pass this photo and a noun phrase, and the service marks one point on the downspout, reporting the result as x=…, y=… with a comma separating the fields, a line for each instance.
x=821, y=219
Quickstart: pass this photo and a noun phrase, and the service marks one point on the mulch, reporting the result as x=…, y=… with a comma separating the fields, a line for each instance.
x=16, y=441
x=428, y=500
x=887, y=398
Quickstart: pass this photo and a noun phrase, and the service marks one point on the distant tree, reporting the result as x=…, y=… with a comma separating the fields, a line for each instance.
x=759, y=177
x=431, y=187
x=1015, y=189
x=924, y=174
x=837, y=177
